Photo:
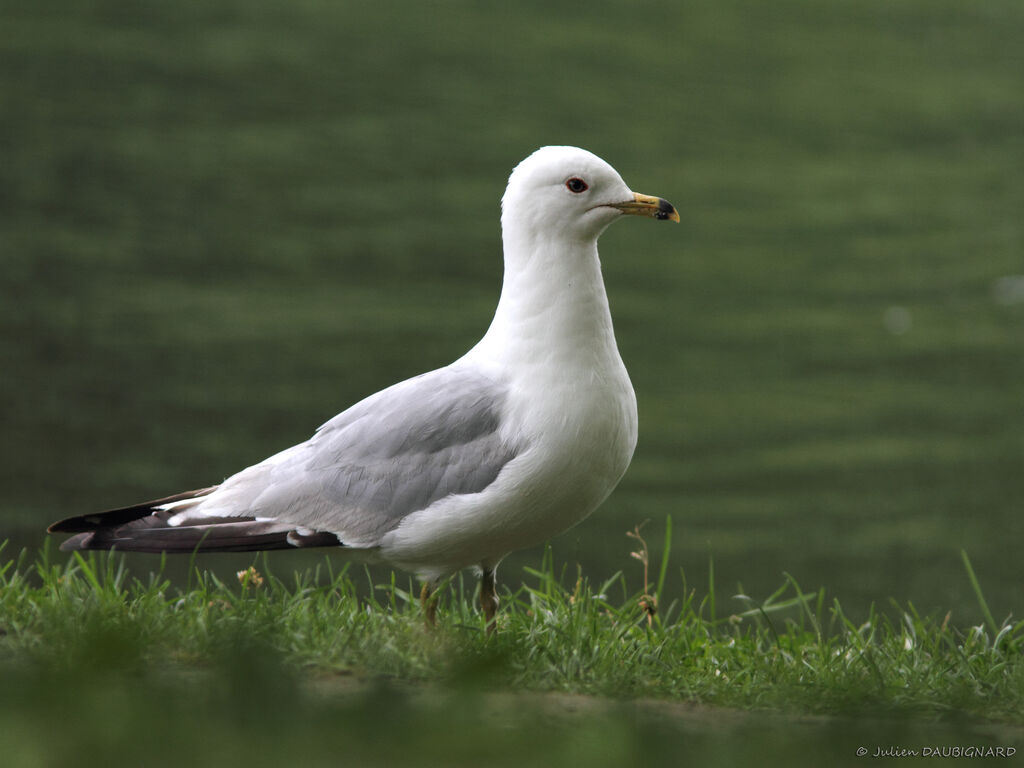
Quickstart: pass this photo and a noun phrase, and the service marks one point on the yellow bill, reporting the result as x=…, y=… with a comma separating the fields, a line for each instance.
x=646, y=205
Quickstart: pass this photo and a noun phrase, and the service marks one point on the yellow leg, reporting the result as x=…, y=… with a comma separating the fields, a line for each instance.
x=428, y=603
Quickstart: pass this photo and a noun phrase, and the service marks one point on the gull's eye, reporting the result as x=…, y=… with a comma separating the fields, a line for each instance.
x=576, y=185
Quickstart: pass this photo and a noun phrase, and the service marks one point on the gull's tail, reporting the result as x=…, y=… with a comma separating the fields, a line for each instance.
x=145, y=528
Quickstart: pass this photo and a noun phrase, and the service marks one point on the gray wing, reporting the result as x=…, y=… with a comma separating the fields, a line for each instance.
x=394, y=453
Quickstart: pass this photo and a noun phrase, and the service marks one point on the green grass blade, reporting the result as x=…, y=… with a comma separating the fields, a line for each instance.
x=711, y=588
x=665, y=555
x=976, y=585
x=87, y=570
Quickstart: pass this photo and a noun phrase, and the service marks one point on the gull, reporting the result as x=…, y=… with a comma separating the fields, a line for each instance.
x=516, y=441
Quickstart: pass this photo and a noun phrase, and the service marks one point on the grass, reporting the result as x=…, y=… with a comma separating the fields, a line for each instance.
x=261, y=649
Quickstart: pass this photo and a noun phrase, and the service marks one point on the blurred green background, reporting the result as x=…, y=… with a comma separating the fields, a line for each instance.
x=222, y=222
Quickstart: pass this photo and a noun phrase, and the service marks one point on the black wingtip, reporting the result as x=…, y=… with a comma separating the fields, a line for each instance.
x=145, y=528
x=82, y=524
x=114, y=517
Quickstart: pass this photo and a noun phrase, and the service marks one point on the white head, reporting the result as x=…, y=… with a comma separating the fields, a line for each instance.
x=571, y=193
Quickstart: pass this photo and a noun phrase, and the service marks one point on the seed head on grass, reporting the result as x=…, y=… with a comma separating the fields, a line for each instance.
x=250, y=577
x=647, y=601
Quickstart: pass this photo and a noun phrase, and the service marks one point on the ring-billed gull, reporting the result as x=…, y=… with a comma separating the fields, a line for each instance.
x=516, y=441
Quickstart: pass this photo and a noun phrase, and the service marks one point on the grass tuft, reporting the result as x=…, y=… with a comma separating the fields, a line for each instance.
x=794, y=651
x=322, y=658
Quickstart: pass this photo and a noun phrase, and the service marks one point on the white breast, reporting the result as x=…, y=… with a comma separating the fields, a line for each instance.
x=571, y=406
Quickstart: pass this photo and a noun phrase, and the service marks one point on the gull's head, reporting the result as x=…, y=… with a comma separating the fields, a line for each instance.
x=569, y=192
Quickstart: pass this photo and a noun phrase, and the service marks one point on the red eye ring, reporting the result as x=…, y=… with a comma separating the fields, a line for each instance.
x=576, y=185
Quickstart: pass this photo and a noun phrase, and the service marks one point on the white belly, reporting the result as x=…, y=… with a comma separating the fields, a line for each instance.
x=579, y=441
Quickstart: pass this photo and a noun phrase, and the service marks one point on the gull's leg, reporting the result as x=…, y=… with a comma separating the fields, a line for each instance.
x=488, y=597
x=428, y=603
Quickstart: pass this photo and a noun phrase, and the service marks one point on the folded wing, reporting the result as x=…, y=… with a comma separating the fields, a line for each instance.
x=394, y=453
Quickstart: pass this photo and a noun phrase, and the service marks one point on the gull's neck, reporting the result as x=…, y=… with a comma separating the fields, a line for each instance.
x=553, y=308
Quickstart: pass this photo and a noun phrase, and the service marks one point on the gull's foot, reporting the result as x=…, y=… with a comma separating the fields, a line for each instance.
x=428, y=603
x=488, y=598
